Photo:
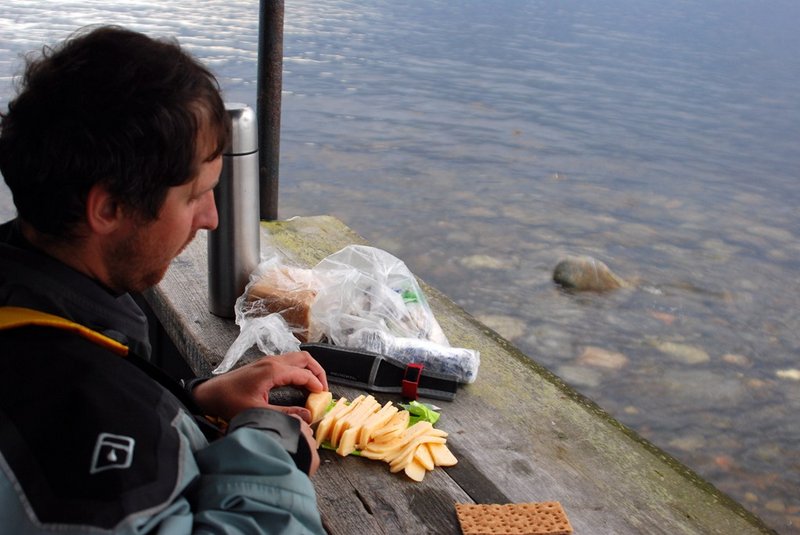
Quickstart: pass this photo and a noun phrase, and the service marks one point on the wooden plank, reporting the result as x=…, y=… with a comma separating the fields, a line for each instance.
x=377, y=501
x=521, y=435
x=358, y=495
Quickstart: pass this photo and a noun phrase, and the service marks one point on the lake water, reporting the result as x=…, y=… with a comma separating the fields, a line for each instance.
x=482, y=142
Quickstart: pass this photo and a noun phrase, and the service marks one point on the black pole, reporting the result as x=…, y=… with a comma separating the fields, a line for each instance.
x=268, y=106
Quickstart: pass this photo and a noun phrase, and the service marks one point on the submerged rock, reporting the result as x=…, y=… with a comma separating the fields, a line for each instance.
x=684, y=353
x=602, y=358
x=584, y=273
x=580, y=376
x=482, y=261
x=790, y=373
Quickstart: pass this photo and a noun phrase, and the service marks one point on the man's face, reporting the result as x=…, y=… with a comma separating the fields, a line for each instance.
x=141, y=258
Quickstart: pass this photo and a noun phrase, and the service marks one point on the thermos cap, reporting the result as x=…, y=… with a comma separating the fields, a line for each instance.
x=244, y=130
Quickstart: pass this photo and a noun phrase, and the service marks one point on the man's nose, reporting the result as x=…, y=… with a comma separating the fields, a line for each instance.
x=208, y=218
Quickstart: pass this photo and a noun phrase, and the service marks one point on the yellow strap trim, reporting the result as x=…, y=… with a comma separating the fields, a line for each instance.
x=14, y=317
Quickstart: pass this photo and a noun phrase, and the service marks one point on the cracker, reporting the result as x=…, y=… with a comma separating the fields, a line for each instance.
x=542, y=518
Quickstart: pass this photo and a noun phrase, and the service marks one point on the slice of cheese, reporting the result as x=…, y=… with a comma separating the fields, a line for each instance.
x=375, y=422
x=324, y=428
x=415, y=471
x=353, y=419
x=337, y=420
x=347, y=444
x=317, y=404
x=442, y=456
x=423, y=456
x=406, y=455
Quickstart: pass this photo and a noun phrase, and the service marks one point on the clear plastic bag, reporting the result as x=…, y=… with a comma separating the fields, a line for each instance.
x=455, y=361
x=360, y=297
x=269, y=313
x=369, y=289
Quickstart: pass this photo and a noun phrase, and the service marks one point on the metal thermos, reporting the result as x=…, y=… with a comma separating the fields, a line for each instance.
x=234, y=247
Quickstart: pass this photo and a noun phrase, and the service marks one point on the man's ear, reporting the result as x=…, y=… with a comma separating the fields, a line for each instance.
x=103, y=212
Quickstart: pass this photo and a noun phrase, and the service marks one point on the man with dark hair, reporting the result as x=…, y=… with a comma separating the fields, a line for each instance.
x=112, y=149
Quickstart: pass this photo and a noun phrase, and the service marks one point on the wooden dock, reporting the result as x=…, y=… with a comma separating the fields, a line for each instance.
x=520, y=434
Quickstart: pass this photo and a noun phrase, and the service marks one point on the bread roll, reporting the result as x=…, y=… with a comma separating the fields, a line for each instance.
x=288, y=291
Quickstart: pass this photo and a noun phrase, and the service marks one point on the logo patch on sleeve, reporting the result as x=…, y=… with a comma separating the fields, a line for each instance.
x=112, y=452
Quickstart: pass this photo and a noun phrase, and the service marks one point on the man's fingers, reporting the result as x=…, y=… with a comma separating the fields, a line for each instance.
x=318, y=371
x=300, y=412
x=303, y=359
x=301, y=377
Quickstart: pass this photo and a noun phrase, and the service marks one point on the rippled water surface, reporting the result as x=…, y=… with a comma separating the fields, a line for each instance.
x=482, y=142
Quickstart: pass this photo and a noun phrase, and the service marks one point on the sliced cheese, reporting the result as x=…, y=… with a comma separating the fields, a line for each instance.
x=338, y=420
x=347, y=444
x=353, y=419
x=442, y=456
x=324, y=428
x=423, y=456
x=406, y=455
x=375, y=422
x=381, y=433
x=415, y=471
x=317, y=404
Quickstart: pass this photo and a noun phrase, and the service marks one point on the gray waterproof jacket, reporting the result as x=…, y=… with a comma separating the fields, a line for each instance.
x=95, y=442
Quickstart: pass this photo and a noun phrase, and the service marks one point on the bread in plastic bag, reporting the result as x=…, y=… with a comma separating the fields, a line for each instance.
x=273, y=311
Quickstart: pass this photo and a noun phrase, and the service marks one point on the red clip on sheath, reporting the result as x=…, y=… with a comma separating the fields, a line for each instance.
x=411, y=380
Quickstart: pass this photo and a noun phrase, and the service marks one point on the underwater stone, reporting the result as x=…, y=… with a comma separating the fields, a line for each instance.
x=584, y=273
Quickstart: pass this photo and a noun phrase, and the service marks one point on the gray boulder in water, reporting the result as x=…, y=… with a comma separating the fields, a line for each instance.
x=584, y=273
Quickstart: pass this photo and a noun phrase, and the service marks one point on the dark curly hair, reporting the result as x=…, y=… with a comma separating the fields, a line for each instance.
x=109, y=106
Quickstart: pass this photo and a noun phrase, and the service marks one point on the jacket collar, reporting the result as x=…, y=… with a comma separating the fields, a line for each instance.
x=31, y=278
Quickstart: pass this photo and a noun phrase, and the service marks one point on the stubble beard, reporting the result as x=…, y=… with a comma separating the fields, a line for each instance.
x=138, y=264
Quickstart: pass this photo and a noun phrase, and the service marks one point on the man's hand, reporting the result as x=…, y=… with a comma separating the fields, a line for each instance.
x=249, y=386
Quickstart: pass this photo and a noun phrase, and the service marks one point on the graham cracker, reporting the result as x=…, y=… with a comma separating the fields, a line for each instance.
x=540, y=518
